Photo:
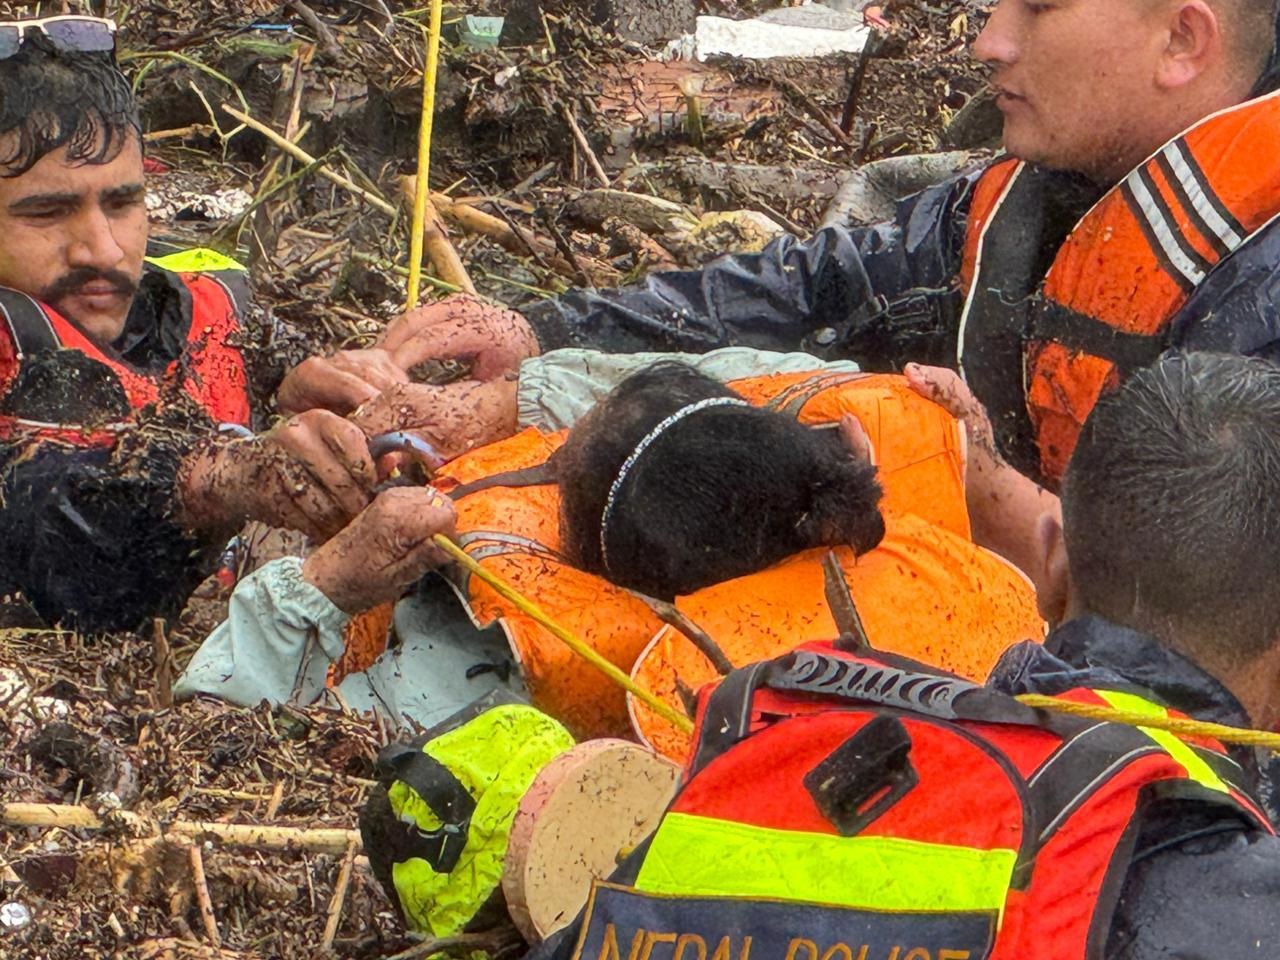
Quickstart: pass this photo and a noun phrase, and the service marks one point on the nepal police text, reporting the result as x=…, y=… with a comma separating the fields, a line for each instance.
x=670, y=945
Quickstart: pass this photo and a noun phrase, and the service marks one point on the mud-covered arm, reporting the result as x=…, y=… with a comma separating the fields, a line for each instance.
x=881, y=294
x=89, y=535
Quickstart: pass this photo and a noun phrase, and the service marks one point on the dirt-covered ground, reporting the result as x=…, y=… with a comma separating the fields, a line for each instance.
x=86, y=719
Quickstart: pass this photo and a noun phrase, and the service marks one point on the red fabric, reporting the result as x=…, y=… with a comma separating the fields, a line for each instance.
x=971, y=793
x=213, y=370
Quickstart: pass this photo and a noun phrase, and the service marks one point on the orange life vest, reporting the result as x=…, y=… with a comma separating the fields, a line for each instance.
x=212, y=372
x=1039, y=354
x=514, y=531
x=845, y=805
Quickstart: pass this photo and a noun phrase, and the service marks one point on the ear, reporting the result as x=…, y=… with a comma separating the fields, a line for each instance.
x=1052, y=577
x=1195, y=44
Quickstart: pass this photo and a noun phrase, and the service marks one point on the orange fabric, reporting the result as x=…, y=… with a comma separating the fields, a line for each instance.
x=923, y=593
x=919, y=449
x=365, y=639
x=1108, y=270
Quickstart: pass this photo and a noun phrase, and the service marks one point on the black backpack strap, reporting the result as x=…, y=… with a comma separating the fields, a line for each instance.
x=28, y=324
x=538, y=475
x=442, y=791
x=727, y=718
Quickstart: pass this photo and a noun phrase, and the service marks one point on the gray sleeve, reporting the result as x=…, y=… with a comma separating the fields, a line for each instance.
x=277, y=642
x=557, y=388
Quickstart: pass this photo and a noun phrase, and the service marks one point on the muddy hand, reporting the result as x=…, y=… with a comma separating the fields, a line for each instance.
x=452, y=418
x=947, y=389
x=384, y=549
x=340, y=382
x=493, y=339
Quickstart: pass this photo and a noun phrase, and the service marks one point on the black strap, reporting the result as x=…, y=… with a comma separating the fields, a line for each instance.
x=996, y=324
x=27, y=322
x=538, y=475
x=441, y=791
x=1078, y=331
x=901, y=685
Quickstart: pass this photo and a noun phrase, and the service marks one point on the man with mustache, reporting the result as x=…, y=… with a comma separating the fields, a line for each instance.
x=1135, y=211
x=116, y=488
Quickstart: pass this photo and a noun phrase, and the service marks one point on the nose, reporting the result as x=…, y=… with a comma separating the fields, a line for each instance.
x=93, y=241
x=997, y=44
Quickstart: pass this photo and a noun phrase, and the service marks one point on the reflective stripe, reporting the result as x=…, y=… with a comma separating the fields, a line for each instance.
x=1195, y=193
x=199, y=260
x=701, y=856
x=1196, y=768
x=1162, y=230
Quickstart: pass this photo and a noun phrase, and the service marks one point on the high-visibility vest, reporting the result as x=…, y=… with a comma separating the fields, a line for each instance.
x=1039, y=353
x=512, y=527
x=846, y=807
x=212, y=371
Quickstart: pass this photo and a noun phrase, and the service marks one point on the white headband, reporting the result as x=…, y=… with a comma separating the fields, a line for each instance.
x=643, y=445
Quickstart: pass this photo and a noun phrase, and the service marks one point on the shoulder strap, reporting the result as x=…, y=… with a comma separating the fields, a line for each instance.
x=27, y=322
x=536, y=476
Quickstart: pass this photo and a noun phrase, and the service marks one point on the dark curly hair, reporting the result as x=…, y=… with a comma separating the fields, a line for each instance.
x=51, y=99
x=724, y=492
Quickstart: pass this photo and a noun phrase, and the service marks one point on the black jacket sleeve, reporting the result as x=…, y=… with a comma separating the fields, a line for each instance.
x=881, y=295
x=88, y=536
x=1213, y=895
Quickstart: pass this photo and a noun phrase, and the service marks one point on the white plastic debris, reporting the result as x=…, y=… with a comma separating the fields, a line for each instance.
x=14, y=915
x=809, y=31
x=17, y=703
x=217, y=205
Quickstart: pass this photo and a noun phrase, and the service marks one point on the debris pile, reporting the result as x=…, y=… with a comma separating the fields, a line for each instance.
x=572, y=152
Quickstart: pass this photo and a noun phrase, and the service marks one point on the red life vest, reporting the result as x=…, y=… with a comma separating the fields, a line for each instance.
x=1038, y=352
x=211, y=371
x=865, y=807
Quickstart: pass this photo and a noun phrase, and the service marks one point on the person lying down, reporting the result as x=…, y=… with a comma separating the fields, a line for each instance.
x=672, y=486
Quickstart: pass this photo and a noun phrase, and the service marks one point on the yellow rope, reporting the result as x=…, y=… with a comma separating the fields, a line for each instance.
x=531, y=609
x=422, y=192
x=1178, y=726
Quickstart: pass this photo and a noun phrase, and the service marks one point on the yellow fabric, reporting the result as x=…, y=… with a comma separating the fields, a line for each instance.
x=496, y=757
x=701, y=856
x=199, y=260
x=1196, y=768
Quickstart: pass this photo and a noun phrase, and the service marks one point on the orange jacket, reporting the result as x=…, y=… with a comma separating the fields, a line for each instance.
x=926, y=557
x=1109, y=300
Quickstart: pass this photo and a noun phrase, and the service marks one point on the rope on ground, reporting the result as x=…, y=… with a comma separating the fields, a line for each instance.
x=1178, y=726
x=532, y=610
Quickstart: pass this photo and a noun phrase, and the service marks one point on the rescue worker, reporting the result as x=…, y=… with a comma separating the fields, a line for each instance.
x=115, y=492
x=1135, y=210
x=944, y=819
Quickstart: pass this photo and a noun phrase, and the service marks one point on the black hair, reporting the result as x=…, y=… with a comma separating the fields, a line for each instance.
x=1169, y=506
x=719, y=494
x=51, y=99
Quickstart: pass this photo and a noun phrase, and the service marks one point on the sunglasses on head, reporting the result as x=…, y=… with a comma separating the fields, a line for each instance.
x=82, y=34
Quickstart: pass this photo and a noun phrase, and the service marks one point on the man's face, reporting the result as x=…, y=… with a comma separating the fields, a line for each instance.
x=1075, y=80
x=73, y=236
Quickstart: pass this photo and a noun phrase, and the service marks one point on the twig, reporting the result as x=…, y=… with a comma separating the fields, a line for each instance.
x=202, y=896
x=164, y=664
x=277, y=798
x=592, y=160
x=299, y=154
x=491, y=942
x=435, y=242
x=816, y=112
x=339, y=898
x=260, y=836
x=323, y=34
